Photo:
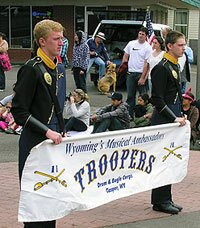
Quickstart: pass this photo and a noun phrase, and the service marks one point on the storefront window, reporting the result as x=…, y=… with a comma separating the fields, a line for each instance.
x=40, y=13
x=20, y=27
x=4, y=21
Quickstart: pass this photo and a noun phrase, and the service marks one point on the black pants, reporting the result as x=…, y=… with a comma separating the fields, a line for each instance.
x=74, y=124
x=80, y=79
x=2, y=79
x=49, y=224
x=161, y=195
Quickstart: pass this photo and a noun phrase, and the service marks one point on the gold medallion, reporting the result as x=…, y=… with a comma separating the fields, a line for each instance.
x=175, y=75
x=47, y=78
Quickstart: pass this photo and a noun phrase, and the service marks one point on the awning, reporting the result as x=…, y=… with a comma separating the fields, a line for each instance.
x=195, y=3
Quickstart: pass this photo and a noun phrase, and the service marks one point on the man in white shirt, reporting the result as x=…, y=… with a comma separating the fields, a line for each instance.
x=136, y=54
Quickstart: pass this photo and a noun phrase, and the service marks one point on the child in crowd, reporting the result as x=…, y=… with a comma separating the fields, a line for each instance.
x=142, y=112
x=192, y=113
x=7, y=123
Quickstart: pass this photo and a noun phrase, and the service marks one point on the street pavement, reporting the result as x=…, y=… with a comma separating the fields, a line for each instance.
x=133, y=211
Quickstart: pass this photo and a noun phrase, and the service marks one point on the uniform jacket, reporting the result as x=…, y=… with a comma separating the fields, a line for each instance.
x=166, y=87
x=32, y=97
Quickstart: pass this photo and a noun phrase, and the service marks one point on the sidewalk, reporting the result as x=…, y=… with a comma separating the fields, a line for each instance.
x=126, y=210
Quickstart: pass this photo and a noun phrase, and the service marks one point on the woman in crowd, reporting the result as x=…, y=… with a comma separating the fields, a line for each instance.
x=142, y=112
x=155, y=57
x=80, y=60
x=3, y=49
x=77, y=111
x=192, y=113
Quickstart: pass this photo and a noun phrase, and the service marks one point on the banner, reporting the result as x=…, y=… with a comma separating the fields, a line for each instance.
x=85, y=172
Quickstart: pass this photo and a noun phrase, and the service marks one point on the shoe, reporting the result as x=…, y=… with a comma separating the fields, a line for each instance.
x=9, y=131
x=1, y=90
x=166, y=208
x=177, y=206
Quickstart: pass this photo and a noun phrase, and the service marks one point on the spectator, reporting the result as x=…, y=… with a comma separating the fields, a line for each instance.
x=3, y=49
x=142, y=112
x=80, y=60
x=155, y=57
x=112, y=117
x=7, y=122
x=164, y=31
x=64, y=49
x=166, y=97
x=185, y=68
x=98, y=53
x=136, y=54
x=192, y=114
x=35, y=104
x=77, y=111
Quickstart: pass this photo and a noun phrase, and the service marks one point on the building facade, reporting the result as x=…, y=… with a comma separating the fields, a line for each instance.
x=18, y=20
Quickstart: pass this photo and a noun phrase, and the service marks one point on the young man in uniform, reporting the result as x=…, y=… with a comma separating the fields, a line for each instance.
x=39, y=83
x=166, y=97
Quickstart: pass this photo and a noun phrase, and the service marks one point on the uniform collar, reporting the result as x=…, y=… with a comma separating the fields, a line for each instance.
x=170, y=58
x=46, y=59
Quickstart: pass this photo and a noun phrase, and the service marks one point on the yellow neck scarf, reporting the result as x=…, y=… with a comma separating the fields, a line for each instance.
x=170, y=58
x=46, y=59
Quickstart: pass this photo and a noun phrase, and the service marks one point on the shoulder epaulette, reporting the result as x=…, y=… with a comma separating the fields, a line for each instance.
x=164, y=61
x=34, y=61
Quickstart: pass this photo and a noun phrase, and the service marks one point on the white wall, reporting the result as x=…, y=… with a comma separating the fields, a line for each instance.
x=193, y=24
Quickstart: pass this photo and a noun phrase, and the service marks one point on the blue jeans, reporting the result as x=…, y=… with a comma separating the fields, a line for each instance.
x=132, y=87
x=100, y=63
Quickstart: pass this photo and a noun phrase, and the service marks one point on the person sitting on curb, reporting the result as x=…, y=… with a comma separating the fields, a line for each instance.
x=77, y=111
x=112, y=117
x=142, y=112
x=7, y=122
x=98, y=53
x=192, y=114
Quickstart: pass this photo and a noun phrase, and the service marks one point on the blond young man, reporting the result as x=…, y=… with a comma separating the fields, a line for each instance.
x=33, y=107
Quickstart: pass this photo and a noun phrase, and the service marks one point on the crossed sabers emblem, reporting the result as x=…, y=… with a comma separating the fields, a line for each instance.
x=172, y=152
x=39, y=185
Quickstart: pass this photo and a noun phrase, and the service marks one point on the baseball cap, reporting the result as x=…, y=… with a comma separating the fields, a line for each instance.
x=116, y=96
x=188, y=96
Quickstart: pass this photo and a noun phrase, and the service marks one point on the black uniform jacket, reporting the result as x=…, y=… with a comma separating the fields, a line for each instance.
x=32, y=98
x=166, y=93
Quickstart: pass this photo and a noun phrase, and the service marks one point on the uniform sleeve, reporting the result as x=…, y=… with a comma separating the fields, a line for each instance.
x=24, y=89
x=24, y=92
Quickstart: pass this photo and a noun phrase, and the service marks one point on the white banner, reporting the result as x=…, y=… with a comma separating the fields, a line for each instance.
x=88, y=171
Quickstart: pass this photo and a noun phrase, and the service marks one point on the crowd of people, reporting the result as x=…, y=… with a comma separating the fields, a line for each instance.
x=39, y=101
